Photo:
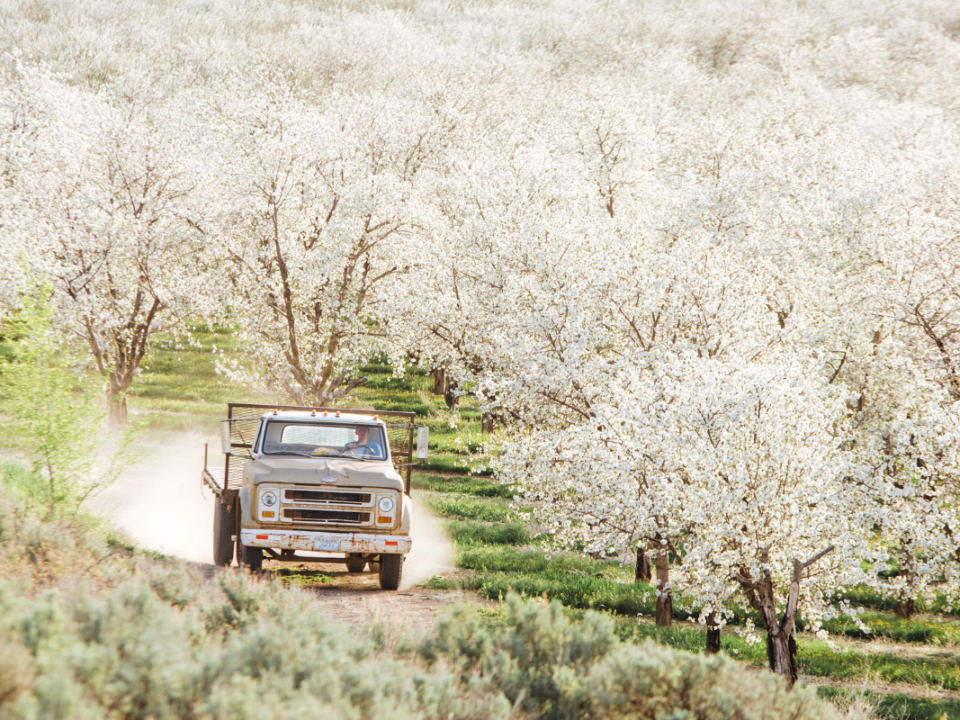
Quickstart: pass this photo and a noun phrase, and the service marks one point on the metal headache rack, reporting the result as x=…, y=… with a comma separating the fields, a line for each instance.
x=243, y=419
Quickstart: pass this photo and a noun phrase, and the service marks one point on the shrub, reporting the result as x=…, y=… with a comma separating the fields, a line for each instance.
x=58, y=429
x=555, y=669
x=167, y=645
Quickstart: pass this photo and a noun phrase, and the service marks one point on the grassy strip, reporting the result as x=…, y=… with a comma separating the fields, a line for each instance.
x=469, y=532
x=939, y=672
x=575, y=580
x=916, y=630
x=582, y=583
x=469, y=508
x=814, y=657
x=462, y=485
x=450, y=463
x=530, y=562
x=179, y=387
x=900, y=707
x=867, y=597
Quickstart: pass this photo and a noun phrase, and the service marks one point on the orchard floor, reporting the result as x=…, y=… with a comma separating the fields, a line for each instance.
x=909, y=669
x=355, y=599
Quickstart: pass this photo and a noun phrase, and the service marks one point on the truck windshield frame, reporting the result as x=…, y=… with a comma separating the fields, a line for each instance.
x=323, y=440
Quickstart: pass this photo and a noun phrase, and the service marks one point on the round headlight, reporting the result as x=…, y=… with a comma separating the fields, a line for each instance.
x=269, y=498
x=385, y=504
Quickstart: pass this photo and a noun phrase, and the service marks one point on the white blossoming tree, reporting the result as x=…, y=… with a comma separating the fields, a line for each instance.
x=103, y=211
x=318, y=221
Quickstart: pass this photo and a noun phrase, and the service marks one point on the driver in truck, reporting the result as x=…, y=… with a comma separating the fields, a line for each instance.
x=361, y=446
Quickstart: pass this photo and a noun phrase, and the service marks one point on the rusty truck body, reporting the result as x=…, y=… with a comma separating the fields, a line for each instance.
x=315, y=480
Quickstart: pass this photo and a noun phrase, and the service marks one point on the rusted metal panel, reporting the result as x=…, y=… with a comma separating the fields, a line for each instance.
x=207, y=479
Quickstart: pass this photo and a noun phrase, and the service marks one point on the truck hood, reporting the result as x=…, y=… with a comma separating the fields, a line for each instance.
x=327, y=472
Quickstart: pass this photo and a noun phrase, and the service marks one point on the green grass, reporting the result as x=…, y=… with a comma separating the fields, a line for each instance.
x=575, y=580
x=505, y=559
x=470, y=508
x=814, y=657
x=867, y=597
x=468, y=532
x=180, y=388
x=898, y=706
x=916, y=630
x=450, y=463
x=302, y=578
x=461, y=485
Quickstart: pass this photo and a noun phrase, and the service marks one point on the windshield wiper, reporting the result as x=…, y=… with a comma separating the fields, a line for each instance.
x=290, y=452
x=348, y=457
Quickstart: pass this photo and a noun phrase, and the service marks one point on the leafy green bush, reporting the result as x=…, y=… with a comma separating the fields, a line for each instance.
x=58, y=430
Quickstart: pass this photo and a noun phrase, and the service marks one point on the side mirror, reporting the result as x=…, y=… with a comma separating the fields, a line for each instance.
x=225, y=436
x=423, y=438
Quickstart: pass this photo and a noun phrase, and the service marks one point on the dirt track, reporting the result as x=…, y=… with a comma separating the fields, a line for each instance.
x=355, y=598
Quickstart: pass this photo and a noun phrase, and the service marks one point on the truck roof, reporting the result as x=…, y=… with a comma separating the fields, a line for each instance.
x=304, y=416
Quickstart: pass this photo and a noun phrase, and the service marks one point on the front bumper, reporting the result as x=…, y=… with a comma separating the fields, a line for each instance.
x=365, y=543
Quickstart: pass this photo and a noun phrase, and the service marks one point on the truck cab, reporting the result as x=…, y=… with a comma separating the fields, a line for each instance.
x=315, y=480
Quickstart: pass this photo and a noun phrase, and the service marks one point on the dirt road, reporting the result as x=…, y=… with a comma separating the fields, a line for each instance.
x=356, y=598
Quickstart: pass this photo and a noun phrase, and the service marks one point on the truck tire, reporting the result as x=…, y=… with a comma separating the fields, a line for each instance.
x=391, y=569
x=224, y=528
x=252, y=558
x=358, y=565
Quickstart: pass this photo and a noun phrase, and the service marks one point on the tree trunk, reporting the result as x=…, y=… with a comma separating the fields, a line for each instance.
x=781, y=644
x=439, y=381
x=782, y=655
x=487, y=422
x=116, y=407
x=450, y=397
x=713, y=635
x=643, y=572
x=713, y=640
x=664, y=599
x=906, y=607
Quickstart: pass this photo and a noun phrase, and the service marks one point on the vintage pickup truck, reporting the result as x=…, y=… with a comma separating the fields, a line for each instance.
x=315, y=480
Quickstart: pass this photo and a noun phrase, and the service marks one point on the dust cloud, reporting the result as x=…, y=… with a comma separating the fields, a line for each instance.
x=432, y=552
x=159, y=502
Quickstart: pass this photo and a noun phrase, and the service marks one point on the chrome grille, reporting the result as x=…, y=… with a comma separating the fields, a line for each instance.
x=325, y=497
x=332, y=507
x=326, y=517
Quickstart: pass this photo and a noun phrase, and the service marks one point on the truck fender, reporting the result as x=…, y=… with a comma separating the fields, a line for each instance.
x=406, y=510
x=246, y=519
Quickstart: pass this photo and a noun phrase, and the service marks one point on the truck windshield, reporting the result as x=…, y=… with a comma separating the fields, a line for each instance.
x=320, y=440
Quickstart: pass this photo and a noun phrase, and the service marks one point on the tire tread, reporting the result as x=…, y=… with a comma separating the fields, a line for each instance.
x=391, y=570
